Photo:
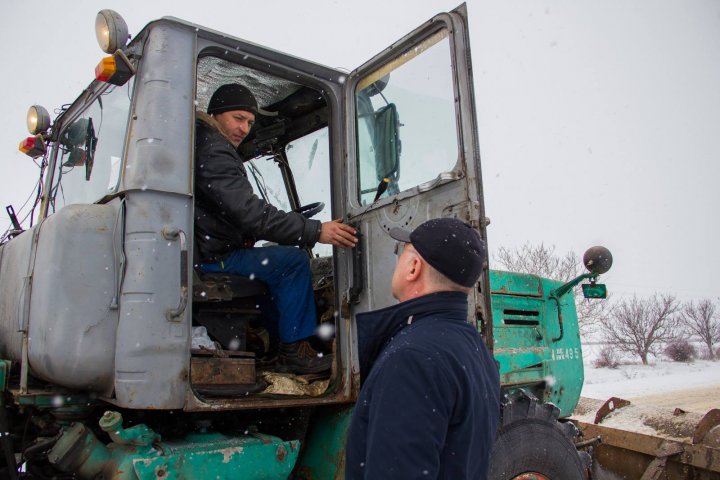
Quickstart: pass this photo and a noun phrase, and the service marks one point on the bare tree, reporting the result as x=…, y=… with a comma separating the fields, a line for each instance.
x=701, y=320
x=539, y=260
x=543, y=261
x=640, y=326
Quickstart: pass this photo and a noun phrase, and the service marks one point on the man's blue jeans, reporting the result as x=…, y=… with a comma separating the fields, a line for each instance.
x=286, y=271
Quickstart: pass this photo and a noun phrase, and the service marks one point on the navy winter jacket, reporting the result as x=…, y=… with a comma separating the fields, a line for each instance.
x=430, y=405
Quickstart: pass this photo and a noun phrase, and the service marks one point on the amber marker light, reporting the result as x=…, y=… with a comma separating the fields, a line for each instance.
x=115, y=69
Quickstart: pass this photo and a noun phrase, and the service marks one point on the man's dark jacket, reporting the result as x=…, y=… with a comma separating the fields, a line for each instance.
x=430, y=405
x=228, y=215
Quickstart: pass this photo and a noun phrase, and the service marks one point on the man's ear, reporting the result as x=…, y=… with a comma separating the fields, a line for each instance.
x=414, y=269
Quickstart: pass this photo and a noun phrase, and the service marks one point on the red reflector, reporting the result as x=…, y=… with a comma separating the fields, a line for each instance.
x=32, y=146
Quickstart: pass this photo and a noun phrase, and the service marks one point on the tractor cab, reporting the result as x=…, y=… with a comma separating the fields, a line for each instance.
x=390, y=144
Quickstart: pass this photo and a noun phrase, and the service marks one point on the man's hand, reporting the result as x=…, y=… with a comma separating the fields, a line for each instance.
x=338, y=234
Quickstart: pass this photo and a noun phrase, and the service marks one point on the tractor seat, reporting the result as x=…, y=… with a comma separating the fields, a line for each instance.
x=220, y=287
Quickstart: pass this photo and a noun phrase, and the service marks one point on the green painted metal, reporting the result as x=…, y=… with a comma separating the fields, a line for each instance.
x=536, y=339
x=219, y=457
x=566, y=287
x=138, y=454
x=594, y=290
x=514, y=283
x=139, y=435
x=324, y=453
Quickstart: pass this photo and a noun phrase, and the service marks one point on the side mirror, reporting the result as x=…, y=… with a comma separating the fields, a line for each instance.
x=80, y=141
x=387, y=142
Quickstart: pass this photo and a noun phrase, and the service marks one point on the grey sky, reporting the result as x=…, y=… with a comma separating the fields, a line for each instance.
x=599, y=121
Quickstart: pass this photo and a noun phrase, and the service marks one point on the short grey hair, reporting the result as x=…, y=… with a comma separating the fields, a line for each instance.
x=442, y=283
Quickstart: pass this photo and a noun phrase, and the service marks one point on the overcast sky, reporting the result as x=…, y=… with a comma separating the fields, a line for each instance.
x=599, y=121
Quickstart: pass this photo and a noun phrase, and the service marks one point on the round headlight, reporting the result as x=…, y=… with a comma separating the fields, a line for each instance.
x=111, y=31
x=38, y=119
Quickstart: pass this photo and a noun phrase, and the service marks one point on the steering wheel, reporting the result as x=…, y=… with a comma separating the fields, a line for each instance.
x=310, y=210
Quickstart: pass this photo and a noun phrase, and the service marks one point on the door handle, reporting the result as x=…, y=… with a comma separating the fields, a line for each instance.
x=358, y=278
x=175, y=314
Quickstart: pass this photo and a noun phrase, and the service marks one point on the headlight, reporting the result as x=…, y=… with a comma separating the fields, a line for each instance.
x=111, y=31
x=38, y=119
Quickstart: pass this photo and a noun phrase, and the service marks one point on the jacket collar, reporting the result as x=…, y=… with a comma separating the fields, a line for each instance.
x=376, y=328
x=210, y=121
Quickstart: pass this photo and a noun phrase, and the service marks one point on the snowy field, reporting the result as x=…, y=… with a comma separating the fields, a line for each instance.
x=663, y=377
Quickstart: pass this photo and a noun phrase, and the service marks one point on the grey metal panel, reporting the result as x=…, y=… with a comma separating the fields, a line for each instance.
x=14, y=262
x=152, y=350
x=159, y=150
x=71, y=331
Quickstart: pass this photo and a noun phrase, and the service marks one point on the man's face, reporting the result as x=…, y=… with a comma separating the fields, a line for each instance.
x=236, y=124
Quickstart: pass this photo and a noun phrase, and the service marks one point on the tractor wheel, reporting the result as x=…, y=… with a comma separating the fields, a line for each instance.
x=532, y=444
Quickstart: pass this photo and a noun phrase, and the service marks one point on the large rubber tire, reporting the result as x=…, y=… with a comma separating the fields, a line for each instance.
x=532, y=444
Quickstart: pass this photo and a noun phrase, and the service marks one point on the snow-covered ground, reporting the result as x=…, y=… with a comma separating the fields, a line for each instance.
x=634, y=380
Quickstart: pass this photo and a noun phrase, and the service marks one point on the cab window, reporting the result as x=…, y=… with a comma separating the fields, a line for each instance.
x=309, y=159
x=405, y=120
x=287, y=152
x=91, y=150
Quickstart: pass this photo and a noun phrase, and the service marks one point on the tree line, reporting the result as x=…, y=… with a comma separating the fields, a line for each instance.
x=637, y=326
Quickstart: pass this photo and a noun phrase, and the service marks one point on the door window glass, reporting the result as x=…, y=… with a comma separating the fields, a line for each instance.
x=406, y=127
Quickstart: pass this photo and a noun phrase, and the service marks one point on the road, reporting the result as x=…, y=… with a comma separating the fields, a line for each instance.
x=698, y=400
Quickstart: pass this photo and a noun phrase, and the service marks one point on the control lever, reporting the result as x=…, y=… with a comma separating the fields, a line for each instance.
x=382, y=187
x=17, y=228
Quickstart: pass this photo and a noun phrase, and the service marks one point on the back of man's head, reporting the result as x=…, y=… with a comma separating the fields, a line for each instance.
x=453, y=249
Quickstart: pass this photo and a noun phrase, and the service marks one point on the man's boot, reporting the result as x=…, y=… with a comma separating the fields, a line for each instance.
x=301, y=358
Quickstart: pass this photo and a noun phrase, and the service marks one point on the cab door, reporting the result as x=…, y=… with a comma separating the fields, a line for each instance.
x=412, y=152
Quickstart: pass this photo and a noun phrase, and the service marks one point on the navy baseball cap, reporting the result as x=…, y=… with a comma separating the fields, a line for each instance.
x=450, y=246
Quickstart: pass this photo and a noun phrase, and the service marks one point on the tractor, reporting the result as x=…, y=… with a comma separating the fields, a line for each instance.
x=121, y=360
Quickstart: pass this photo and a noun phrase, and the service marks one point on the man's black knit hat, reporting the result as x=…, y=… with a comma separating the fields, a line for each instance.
x=450, y=246
x=232, y=97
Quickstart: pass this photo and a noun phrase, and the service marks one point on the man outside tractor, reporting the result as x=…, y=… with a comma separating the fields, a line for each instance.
x=229, y=218
x=430, y=399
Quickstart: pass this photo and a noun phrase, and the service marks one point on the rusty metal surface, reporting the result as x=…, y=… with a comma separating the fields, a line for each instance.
x=231, y=370
x=648, y=443
x=628, y=453
x=708, y=429
x=612, y=404
x=658, y=466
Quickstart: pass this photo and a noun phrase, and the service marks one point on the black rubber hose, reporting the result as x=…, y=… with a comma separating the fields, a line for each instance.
x=36, y=451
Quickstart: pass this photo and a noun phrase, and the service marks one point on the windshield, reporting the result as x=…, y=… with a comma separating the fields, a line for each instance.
x=91, y=150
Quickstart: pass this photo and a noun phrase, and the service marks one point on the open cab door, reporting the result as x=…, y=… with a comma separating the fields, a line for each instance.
x=412, y=153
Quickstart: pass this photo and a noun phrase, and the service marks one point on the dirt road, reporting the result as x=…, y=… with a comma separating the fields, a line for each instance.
x=698, y=400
